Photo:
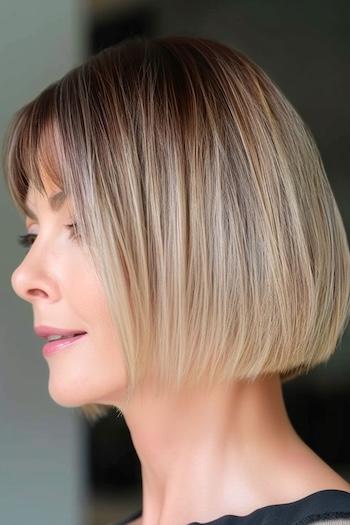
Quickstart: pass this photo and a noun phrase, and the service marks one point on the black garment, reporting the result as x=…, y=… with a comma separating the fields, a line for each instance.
x=325, y=507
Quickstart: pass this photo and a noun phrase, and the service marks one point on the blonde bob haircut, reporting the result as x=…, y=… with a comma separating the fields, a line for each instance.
x=202, y=198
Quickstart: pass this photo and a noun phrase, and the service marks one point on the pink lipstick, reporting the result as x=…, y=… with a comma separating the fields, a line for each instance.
x=58, y=338
x=61, y=344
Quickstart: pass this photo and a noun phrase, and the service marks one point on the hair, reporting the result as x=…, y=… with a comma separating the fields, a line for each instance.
x=202, y=198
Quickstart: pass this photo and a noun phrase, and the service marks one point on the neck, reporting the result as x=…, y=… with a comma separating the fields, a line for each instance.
x=191, y=443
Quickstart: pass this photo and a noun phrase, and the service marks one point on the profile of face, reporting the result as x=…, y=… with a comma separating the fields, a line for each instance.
x=59, y=279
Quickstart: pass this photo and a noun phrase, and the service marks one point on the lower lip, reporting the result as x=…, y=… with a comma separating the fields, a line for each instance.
x=61, y=344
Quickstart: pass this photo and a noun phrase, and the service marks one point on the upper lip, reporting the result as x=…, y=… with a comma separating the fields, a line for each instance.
x=45, y=331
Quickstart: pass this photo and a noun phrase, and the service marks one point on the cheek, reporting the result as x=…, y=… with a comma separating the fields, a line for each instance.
x=89, y=302
x=97, y=366
x=89, y=306
x=82, y=288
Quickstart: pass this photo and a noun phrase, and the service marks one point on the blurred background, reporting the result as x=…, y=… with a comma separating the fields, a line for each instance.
x=55, y=467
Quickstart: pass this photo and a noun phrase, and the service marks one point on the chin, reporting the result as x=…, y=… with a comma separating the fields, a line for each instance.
x=71, y=395
x=65, y=397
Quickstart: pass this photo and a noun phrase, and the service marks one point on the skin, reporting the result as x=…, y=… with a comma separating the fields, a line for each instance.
x=203, y=454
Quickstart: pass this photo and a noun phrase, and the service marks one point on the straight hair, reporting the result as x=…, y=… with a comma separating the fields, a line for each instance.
x=202, y=198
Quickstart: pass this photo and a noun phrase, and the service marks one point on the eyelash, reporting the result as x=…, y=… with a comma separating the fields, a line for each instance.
x=25, y=240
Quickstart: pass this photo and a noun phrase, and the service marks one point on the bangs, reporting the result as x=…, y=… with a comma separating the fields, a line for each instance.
x=31, y=150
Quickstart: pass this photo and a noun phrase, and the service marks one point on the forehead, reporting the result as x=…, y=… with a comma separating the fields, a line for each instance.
x=55, y=197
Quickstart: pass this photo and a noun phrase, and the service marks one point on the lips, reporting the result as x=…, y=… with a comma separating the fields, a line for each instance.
x=52, y=347
x=44, y=331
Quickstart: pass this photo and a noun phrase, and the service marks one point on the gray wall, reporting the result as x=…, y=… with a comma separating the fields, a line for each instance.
x=42, y=461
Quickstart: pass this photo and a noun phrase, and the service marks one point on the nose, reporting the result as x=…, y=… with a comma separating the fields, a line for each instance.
x=30, y=281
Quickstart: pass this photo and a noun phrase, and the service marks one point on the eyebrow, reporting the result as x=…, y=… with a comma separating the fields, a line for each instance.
x=56, y=202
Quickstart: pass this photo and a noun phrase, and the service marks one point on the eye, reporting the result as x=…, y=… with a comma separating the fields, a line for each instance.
x=28, y=239
x=73, y=227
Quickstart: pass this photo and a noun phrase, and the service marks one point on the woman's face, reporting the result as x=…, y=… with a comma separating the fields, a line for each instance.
x=58, y=278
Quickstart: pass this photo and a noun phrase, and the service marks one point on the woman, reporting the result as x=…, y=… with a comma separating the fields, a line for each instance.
x=197, y=244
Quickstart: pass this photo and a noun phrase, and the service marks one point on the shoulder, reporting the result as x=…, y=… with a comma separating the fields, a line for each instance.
x=324, y=507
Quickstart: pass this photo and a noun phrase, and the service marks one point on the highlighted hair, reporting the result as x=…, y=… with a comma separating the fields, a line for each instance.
x=202, y=197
